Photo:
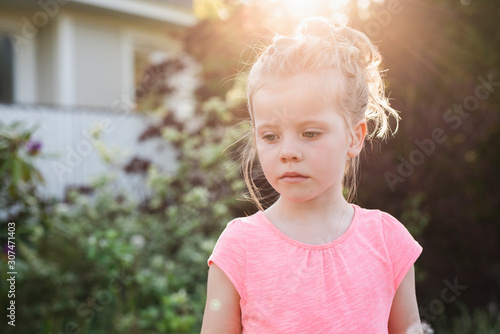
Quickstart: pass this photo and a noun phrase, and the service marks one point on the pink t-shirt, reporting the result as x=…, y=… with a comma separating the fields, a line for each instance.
x=344, y=286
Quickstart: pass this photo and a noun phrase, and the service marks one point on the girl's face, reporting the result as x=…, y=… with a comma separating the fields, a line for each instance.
x=301, y=138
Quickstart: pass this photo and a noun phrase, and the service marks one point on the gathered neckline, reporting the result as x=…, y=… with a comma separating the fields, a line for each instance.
x=301, y=244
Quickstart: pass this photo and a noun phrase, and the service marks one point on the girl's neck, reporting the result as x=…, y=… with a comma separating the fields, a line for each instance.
x=324, y=211
x=315, y=222
x=301, y=211
x=329, y=203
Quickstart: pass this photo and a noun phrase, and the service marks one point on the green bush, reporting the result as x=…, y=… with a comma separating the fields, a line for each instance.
x=467, y=321
x=20, y=204
x=18, y=180
x=107, y=263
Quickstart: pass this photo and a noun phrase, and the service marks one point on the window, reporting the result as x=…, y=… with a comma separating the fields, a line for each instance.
x=6, y=70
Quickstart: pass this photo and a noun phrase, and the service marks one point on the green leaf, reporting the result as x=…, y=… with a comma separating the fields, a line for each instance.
x=16, y=169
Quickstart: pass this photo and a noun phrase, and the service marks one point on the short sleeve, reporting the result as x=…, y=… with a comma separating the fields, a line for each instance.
x=403, y=249
x=230, y=253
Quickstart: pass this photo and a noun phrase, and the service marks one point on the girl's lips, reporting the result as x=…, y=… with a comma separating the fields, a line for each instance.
x=292, y=177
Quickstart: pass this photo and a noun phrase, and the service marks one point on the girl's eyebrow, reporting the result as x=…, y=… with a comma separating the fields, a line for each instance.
x=266, y=124
x=313, y=121
x=278, y=122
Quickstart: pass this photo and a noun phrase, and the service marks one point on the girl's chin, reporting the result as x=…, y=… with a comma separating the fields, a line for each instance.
x=299, y=197
x=295, y=199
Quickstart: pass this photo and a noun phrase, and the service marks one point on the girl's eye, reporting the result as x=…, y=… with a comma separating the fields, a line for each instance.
x=311, y=134
x=270, y=137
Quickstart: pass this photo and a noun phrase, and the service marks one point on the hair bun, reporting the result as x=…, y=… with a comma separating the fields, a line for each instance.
x=356, y=44
x=317, y=26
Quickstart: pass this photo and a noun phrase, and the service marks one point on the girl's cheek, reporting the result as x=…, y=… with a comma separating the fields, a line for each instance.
x=263, y=152
x=265, y=148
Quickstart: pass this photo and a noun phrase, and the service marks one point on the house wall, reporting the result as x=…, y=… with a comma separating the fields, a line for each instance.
x=104, y=55
x=71, y=157
x=47, y=64
x=97, y=63
x=99, y=55
x=75, y=70
x=80, y=56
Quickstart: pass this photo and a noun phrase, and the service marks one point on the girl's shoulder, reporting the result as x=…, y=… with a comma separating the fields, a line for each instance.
x=245, y=224
x=371, y=221
x=390, y=229
x=376, y=216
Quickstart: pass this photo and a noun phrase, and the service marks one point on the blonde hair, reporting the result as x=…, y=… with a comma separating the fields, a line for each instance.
x=331, y=51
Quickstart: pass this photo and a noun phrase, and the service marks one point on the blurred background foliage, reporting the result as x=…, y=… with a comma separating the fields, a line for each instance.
x=101, y=262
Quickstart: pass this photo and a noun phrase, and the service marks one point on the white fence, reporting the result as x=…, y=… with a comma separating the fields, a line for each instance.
x=67, y=133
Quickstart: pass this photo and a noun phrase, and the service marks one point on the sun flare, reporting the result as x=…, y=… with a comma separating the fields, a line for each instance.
x=304, y=8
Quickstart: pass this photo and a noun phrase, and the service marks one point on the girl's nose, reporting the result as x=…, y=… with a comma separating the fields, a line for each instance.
x=290, y=153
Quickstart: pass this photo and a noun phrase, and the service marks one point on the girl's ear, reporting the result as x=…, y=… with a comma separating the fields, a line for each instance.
x=357, y=138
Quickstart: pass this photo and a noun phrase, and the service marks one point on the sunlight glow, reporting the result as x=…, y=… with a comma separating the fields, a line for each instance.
x=337, y=4
x=300, y=8
x=303, y=8
x=336, y=10
x=363, y=4
x=341, y=18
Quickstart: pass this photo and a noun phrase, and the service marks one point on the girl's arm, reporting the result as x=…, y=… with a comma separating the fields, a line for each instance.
x=404, y=317
x=222, y=309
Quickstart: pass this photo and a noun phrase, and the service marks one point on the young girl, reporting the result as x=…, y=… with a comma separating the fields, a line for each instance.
x=313, y=262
